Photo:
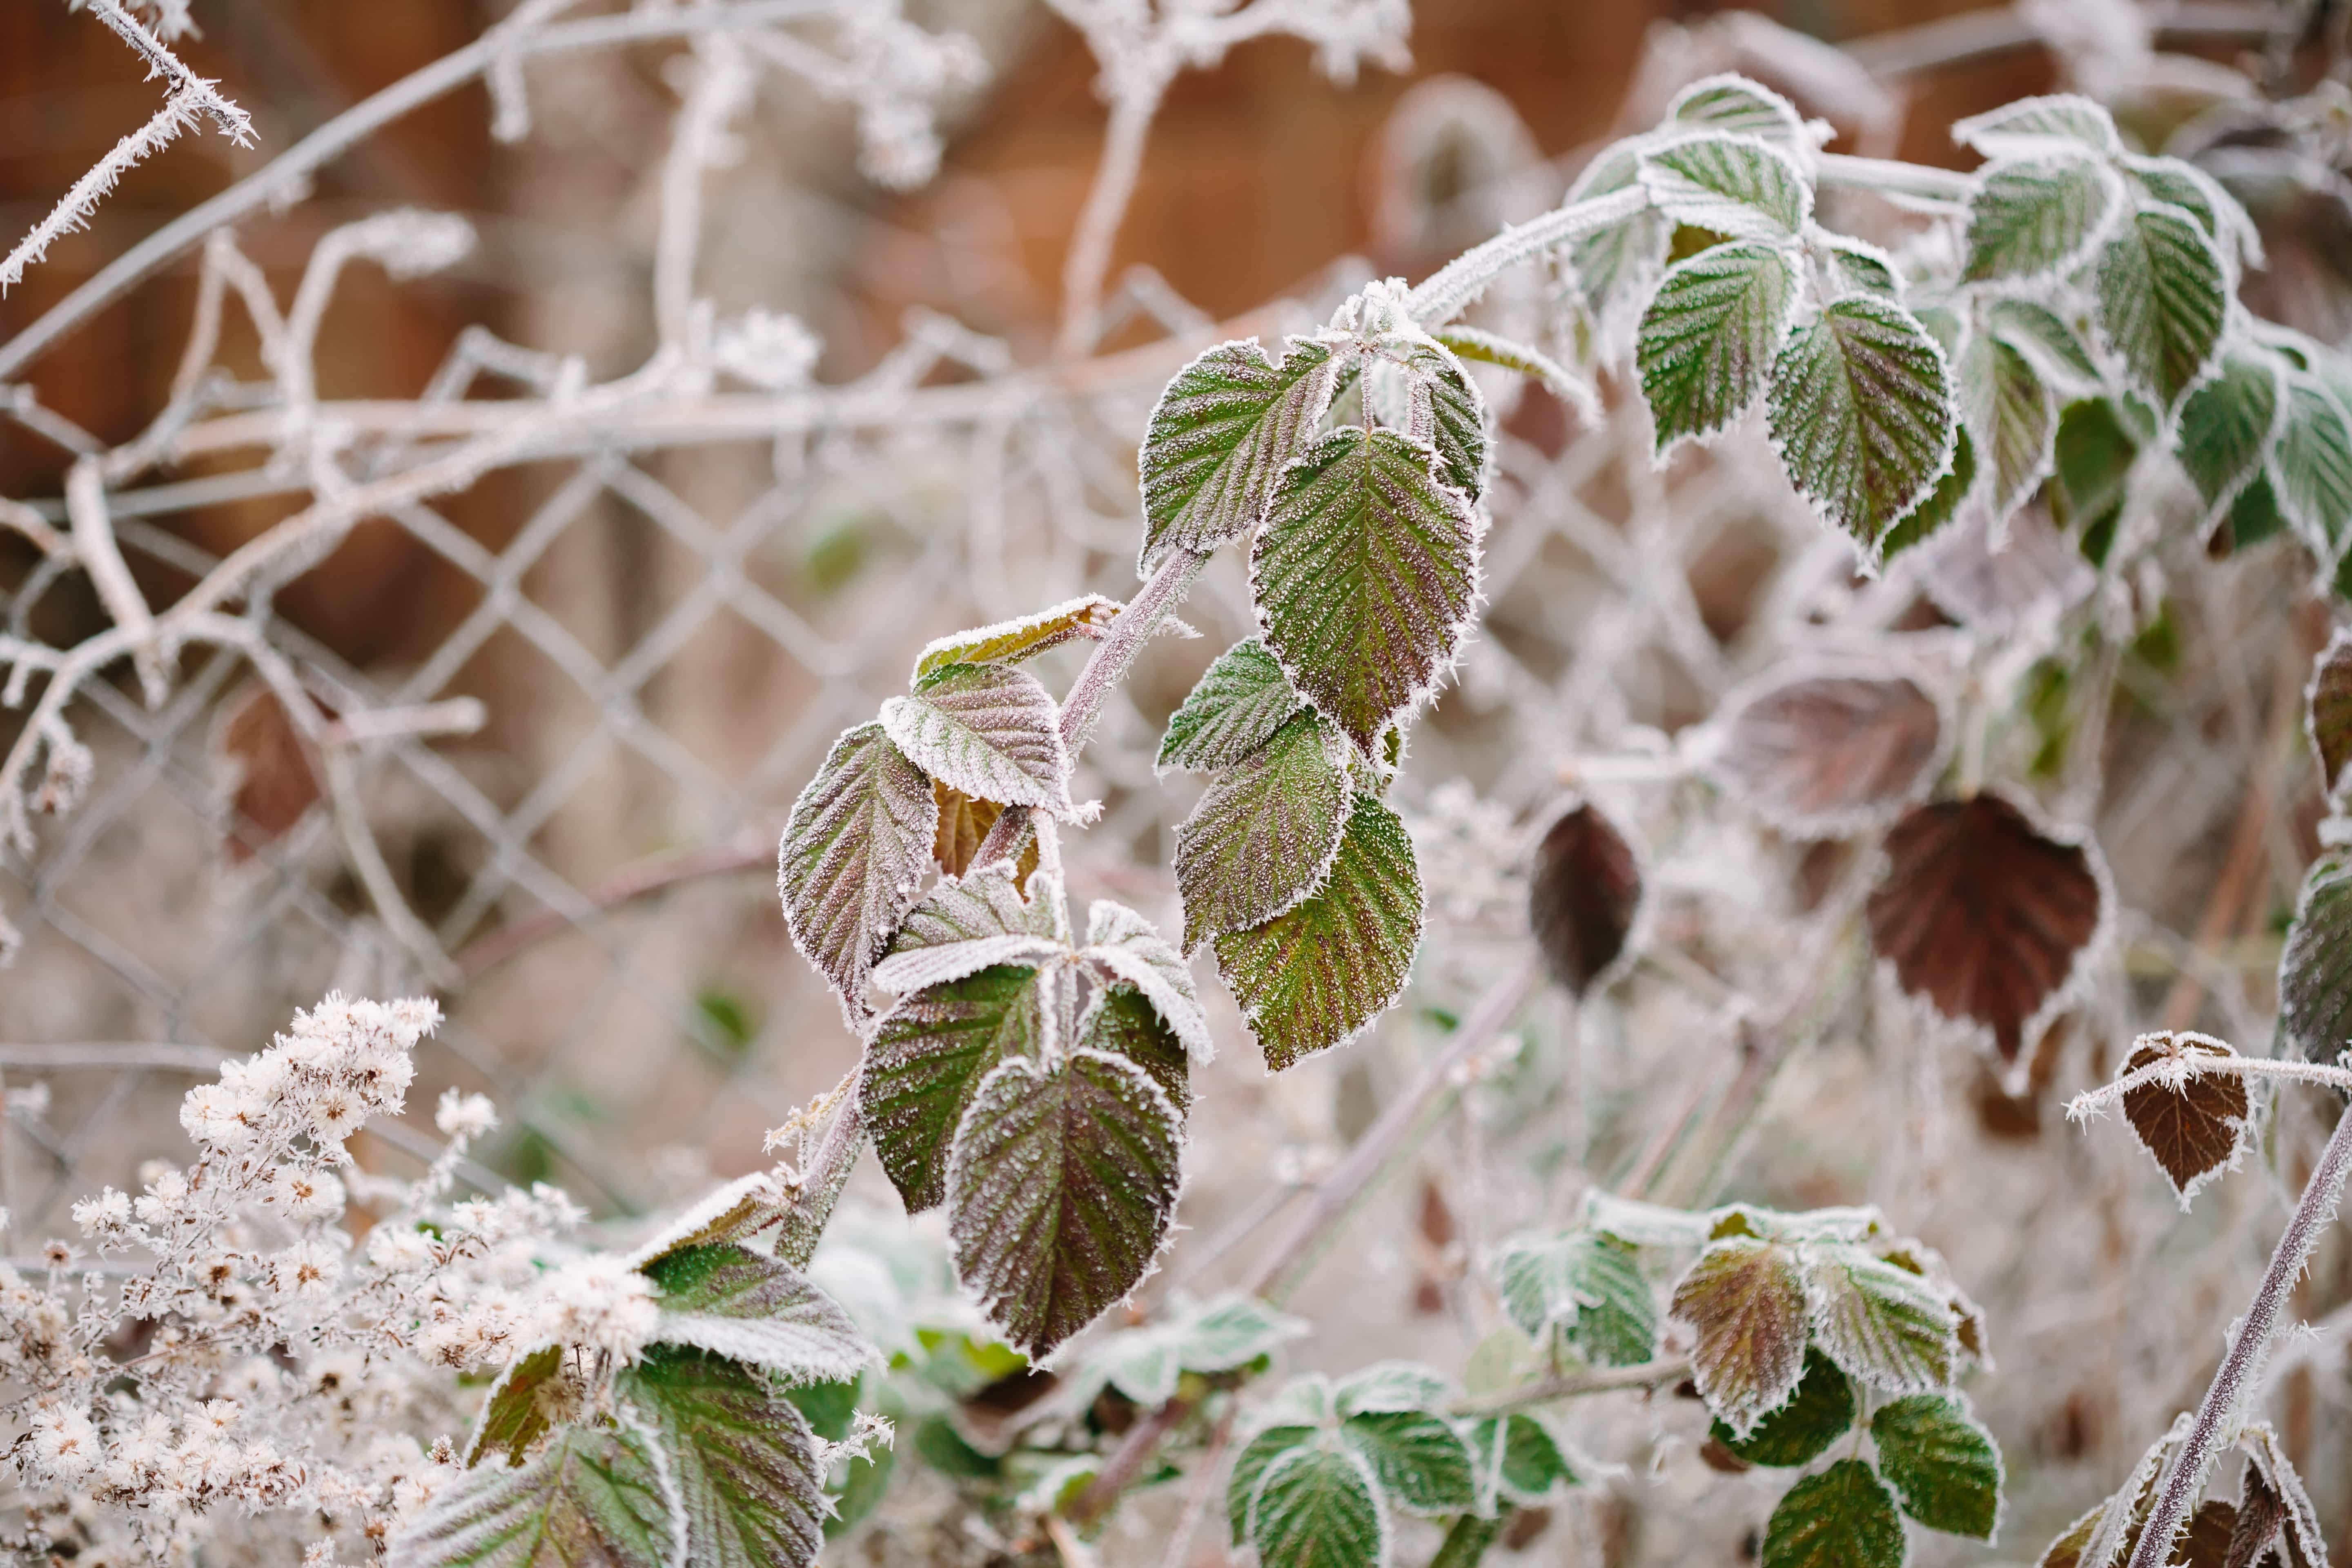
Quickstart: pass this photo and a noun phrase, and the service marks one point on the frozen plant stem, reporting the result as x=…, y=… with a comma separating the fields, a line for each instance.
x=2313, y=1213
x=1132, y=114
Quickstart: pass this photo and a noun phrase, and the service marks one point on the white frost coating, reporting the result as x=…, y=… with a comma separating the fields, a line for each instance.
x=990, y=731
x=690, y=1224
x=1729, y=199
x=803, y=1351
x=2036, y=124
x=1130, y=947
x=1684, y=106
x=1866, y=1314
x=919, y=969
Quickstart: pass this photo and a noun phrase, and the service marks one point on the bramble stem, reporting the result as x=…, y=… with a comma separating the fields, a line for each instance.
x=1648, y=1375
x=2312, y=1215
x=1445, y=293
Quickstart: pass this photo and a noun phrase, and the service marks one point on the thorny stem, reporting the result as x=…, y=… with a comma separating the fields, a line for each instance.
x=2177, y=1070
x=2313, y=1213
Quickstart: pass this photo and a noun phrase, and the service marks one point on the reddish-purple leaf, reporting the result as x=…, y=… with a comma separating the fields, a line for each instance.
x=1747, y=1298
x=2194, y=1129
x=1833, y=754
x=1983, y=916
x=1581, y=897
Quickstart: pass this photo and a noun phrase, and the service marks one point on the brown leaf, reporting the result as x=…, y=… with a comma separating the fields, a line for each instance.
x=1581, y=897
x=2261, y=1523
x=2327, y=709
x=2193, y=1130
x=2269, y=1465
x=275, y=770
x=2206, y=1542
x=1827, y=756
x=964, y=822
x=1983, y=915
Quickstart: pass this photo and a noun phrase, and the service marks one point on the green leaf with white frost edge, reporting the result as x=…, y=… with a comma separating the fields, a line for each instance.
x=1520, y=1459
x=1317, y=1506
x=1589, y=1284
x=1060, y=1189
x=1256, y=1456
x=2162, y=298
x=2013, y=417
x=1364, y=577
x=1708, y=337
x=1421, y=1463
x=1315, y=976
x=2037, y=217
x=967, y=924
x=927, y=1059
x=741, y=1457
x=1736, y=105
x=513, y=1418
x=2311, y=468
x=1225, y=426
x=1121, y=1021
x=852, y=857
x=757, y=1309
x=1025, y=637
x=592, y=1496
x=1742, y=187
x=991, y=731
x=1611, y=268
x=1234, y=709
x=1263, y=834
x=1885, y=1326
x=1127, y=947
x=1842, y=1518
x=2059, y=120
x=2226, y=426
x=1941, y=1462
x=1860, y=408
x=1817, y=1415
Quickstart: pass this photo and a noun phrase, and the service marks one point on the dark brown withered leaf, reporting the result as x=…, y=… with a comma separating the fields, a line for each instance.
x=275, y=769
x=1983, y=915
x=964, y=823
x=1833, y=754
x=2327, y=709
x=1581, y=897
x=2192, y=1130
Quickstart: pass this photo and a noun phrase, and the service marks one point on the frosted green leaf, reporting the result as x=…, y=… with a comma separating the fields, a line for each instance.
x=1708, y=337
x=1315, y=976
x=1842, y=1518
x=1445, y=410
x=1250, y=1466
x=1225, y=426
x=1885, y=1326
x=1736, y=105
x=594, y=1496
x=1263, y=834
x=2311, y=468
x=2226, y=427
x=1421, y=1462
x=1863, y=268
x=1317, y=1506
x=852, y=857
x=1942, y=1463
x=2031, y=124
x=1738, y=186
x=1612, y=267
x=927, y=1061
x=991, y=731
x=2012, y=417
x=967, y=924
x=1009, y=642
x=1120, y=1020
x=1126, y=947
x=1364, y=576
x=1861, y=410
x=2315, y=969
x=759, y=1309
x=2161, y=301
x=1061, y=1187
x=1520, y=1458
x=1817, y=1415
x=2039, y=333
x=1747, y=1299
x=1234, y=709
x=2181, y=183
x=1587, y=1283
x=1233, y=1331
x=741, y=1457
x=1942, y=504
x=2037, y=217
x=1389, y=1385
x=513, y=1417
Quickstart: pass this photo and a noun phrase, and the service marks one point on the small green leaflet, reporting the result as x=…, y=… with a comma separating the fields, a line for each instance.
x=1742, y=187
x=1120, y=1020
x=2036, y=124
x=1317, y=1506
x=1315, y=976
x=2226, y=426
x=853, y=856
x=1487, y=348
x=2037, y=332
x=2012, y=417
x=593, y=1495
x=1263, y=836
x=1521, y=1460
x=2162, y=298
x=1009, y=642
x=1817, y=1415
x=2315, y=969
x=1943, y=1464
x=741, y=1457
x=1445, y=410
x=2311, y=468
x=1219, y=1335
x=1233, y=710
x=990, y=731
x=1587, y=1283
x=927, y=1059
x=1124, y=947
x=1364, y=576
x=1884, y=1325
x=1734, y=104
x=1842, y=1518
x=757, y=1309
x=1611, y=268
x=1861, y=410
x=1230, y=422
x=1061, y=1187
x=1250, y=1466
x=513, y=1420
x=2037, y=217
x=1747, y=1299
x=1420, y=1461
x=1389, y=1385
x=1863, y=268
x=2183, y=185
x=1708, y=337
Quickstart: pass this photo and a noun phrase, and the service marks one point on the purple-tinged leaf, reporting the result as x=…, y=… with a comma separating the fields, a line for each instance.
x=1263, y=834
x=1229, y=423
x=927, y=1061
x=1747, y=1299
x=967, y=924
x=1831, y=755
x=852, y=857
x=1124, y=947
x=2327, y=709
x=987, y=730
x=1885, y=1326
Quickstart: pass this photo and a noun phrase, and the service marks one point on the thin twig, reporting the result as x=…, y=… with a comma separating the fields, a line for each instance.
x=1649, y=1374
